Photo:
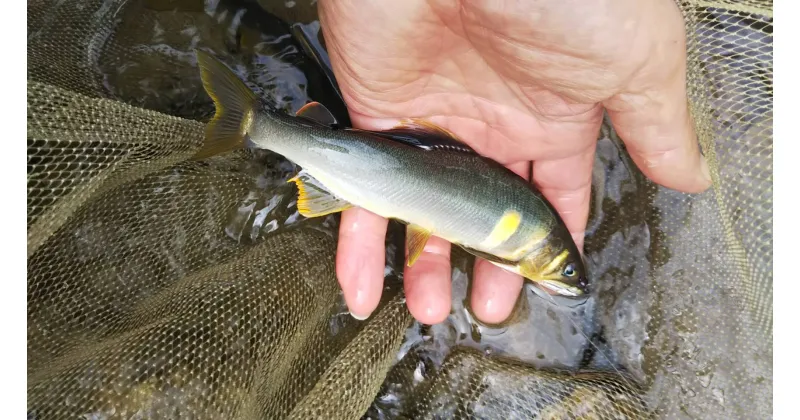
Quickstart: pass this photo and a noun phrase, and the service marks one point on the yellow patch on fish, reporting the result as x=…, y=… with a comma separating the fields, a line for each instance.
x=505, y=227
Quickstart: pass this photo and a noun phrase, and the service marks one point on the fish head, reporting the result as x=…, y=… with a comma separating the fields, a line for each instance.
x=556, y=266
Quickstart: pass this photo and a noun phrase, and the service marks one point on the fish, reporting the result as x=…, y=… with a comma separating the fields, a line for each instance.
x=417, y=173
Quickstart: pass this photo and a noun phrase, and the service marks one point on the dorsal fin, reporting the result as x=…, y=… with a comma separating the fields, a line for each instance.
x=425, y=135
x=317, y=113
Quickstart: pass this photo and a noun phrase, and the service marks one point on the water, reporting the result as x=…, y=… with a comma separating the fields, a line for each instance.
x=154, y=68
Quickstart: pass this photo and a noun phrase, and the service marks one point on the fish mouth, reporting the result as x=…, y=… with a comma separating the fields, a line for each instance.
x=577, y=292
x=562, y=289
x=548, y=294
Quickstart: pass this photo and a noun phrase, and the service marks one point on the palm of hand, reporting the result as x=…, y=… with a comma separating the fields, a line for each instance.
x=522, y=84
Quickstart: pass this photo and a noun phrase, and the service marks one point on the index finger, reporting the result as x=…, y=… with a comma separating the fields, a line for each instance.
x=567, y=184
x=360, y=260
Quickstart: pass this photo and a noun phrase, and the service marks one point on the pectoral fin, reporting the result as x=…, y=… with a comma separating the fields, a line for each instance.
x=313, y=200
x=510, y=268
x=489, y=257
x=416, y=238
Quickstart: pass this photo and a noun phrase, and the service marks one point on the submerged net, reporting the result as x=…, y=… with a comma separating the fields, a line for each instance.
x=169, y=288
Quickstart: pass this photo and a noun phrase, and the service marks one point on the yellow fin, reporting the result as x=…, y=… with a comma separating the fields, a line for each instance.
x=316, y=112
x=416, y=238
x=313, y=200
x=235, y=107
x=505, y=227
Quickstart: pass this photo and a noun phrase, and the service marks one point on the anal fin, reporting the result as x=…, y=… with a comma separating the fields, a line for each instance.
x=416, y=238
x=314, y=200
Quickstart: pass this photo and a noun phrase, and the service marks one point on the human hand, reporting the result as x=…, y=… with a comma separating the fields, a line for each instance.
x=524, y=83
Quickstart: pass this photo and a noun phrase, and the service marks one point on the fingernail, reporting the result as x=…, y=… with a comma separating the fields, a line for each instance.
x=705, y=170
x=359, y=317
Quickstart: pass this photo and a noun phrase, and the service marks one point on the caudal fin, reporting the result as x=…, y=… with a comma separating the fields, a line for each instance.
x=235, y=103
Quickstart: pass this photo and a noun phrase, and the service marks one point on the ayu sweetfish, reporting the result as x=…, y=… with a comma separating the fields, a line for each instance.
x=416, y=173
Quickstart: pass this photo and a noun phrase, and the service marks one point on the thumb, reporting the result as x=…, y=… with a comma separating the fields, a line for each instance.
x=659, y=134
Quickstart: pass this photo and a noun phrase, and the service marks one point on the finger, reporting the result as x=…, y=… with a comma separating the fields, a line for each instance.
x=659, y=134
x=494, y=292
x=427, y=283
x=522, y=169
x=494, y=289
x=567, y=184
x=360, y=260
x=361, y=253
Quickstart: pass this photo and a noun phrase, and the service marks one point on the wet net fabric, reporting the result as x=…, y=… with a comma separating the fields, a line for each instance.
x=163, y=287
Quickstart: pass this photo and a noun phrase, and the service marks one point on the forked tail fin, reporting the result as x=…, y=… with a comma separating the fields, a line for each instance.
x=235, y=107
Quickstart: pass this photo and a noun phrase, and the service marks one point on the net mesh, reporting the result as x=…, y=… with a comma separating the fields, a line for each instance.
x=169, y=288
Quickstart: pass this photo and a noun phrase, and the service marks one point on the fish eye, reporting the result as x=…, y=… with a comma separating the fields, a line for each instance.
x=569, y=270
